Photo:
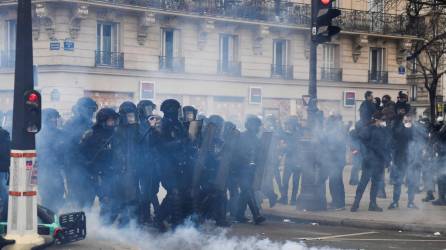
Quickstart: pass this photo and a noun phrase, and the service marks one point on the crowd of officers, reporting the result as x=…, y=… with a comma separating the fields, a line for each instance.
x=210, y=169
x=123, y=157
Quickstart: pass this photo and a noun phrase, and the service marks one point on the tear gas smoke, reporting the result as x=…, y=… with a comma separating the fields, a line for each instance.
x=185, y=237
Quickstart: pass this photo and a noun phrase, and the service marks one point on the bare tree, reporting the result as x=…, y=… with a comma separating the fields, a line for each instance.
x=427, y=20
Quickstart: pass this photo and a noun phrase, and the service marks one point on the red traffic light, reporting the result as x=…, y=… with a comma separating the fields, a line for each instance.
x=325, y=2
x=33, y=97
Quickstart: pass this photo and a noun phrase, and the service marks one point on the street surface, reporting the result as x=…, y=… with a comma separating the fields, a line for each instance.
x=278, y=231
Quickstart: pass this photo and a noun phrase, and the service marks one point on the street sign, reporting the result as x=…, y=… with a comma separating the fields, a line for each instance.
x=401, y=70
x=54, y=45
x=68, y=45
x=349, y=98
x=255, y=95
x=146, y=90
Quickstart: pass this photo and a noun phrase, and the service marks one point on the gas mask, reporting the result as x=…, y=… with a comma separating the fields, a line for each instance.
x=383, y=124
x=110, y=123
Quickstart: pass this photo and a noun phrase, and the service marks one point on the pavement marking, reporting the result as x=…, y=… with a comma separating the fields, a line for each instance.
x=338, y=236
x=405, y=240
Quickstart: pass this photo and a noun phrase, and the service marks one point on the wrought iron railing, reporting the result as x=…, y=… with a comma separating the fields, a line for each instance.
x=283, y=71
x=229, y=68
x=172, y=64
x=331, y=74
x=379, y=77
x=7, y=59
x=286, y=13
x=109, y=59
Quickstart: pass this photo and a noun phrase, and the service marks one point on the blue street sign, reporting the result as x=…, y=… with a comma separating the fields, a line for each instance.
x=402, y=70
x=54, y=45
x=68, y=45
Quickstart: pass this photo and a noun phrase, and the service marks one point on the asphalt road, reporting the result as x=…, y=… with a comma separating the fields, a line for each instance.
x=248, y=236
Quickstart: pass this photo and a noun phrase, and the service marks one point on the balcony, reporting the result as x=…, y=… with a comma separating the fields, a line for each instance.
x=229, y=68
x=331, y=74
x=109, y=59
x=379, y=77
x=171, y=64
x=7, y=59
x=283, y=71
x=287, y=13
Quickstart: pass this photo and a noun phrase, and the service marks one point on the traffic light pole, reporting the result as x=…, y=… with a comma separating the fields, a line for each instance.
x=312, y=87
x=22, y=204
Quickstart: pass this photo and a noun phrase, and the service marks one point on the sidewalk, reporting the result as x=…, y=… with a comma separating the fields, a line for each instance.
x=427, y=218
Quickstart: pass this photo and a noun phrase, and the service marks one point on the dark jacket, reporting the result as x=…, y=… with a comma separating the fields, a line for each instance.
x=366, y=111
x=5, y=149
x=377, y=144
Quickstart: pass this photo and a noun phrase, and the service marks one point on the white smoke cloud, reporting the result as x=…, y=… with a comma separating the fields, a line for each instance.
x=185, y=237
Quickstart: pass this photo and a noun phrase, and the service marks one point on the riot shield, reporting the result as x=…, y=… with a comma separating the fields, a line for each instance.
x=262, y=158
x=230, y=137
x=203, y=151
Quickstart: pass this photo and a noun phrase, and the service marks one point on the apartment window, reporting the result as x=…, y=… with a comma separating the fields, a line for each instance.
x=11, y=27
x=7, y=58
x=280, y=65
x=170, y=58
x=330, y=63
x=377, y=65
x=107, y=48
x=228, y=62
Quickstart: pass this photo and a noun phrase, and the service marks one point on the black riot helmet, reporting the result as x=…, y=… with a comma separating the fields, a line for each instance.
x=127, y=114
x=145, y=109
x=253, y=124
x=218, y=121
x=50, y=117
x=86, y=107
x=171, y=108
x=106, y=118
x=189, y=113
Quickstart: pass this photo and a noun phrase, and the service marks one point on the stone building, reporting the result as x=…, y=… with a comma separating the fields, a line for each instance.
x=225, y=57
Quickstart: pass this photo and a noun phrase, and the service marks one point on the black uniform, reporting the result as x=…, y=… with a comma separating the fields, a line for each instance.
x=293, y=159
x=75, y=170
x=376, y=140
x=5, y=160
x=335, y=138
x=97, y=151
x=176, y=169
x=149, y=168
x=247, y=157
x=126, y=163
x=50, y=159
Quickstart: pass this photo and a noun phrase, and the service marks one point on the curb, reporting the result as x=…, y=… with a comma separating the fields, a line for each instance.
x=358, y=223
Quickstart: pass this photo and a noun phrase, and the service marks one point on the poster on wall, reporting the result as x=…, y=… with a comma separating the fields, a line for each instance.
x=146, y=90
x=349, y=98
x=255, y=95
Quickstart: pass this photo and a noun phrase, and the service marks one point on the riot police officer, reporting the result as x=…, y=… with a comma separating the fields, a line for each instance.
x=49, y=157
x=291, y=153
x=126, y=163
x=148, y=174
x=5, y=162
x=214, y=200
x=73, y=131
x=176, y=168
x=247, y=155
x=97, y=151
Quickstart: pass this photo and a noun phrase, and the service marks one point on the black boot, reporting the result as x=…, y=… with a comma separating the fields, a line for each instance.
x=355, y=206
x=411, y=205
x=373, y=207
x=429, y=196
x=272, y=199
x=5, y=242
x=393, y=205
x=255, y=211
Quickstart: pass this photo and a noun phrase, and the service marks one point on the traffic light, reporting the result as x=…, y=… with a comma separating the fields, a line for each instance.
x=33, y=111
x=322, y=13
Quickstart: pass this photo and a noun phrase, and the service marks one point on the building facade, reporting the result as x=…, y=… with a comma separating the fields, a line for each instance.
x=226, y=57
